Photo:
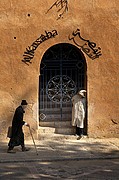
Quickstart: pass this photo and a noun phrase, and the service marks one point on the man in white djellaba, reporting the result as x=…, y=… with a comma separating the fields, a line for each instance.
x=78, y=112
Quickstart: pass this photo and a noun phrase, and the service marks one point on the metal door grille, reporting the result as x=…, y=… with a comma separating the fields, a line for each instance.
x=62, y=74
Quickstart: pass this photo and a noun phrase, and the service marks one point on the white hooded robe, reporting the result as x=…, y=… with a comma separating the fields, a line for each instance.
x=78, y=111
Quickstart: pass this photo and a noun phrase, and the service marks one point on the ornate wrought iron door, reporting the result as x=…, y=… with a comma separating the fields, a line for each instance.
x=62, y=74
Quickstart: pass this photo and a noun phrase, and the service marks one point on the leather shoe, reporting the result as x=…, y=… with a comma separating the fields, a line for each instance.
x=79, y=137
x=25, y=149
x=11, y=151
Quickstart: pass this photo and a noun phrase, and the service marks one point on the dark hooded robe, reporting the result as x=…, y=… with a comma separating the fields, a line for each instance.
x=17, y=137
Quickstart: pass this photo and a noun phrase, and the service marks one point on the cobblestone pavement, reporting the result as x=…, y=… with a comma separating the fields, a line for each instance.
x=64, y=158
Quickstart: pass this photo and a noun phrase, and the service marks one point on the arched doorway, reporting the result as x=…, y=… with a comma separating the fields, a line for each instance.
x=62, y=74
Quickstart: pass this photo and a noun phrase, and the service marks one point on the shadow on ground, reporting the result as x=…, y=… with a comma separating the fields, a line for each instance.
x=62, y=148
x=61, y=159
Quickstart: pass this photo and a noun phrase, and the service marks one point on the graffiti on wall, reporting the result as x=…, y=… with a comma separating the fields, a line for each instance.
x=30, y=50
x=61, y=6
x=87, y=46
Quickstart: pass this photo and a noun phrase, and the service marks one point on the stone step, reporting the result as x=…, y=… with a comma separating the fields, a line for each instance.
x=46, y=130
x=57, y=137
x=52, y=129
x=55, y=124
x=57, y=130
x=65, y=130
x=49, y=132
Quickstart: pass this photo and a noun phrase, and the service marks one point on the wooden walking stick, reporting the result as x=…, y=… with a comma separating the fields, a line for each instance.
x=33, y=140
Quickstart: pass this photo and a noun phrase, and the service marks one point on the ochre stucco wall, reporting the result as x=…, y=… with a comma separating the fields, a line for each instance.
x=23, y=21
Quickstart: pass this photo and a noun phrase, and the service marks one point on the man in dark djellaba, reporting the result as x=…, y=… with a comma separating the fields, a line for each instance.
x=17, y=137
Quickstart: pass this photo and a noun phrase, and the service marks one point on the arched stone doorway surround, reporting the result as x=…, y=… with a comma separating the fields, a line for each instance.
x=63, y=72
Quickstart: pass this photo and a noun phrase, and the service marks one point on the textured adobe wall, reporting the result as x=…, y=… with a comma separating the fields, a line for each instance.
x=23, y=21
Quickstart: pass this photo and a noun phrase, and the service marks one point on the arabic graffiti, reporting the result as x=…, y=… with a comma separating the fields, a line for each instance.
x=86, y=46
x=30, y=50
x=62, y=7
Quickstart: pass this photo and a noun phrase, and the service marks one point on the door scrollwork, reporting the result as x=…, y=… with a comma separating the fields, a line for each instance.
x=60, y=89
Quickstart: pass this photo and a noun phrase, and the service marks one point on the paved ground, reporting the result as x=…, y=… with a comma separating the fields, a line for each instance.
x=62, y=158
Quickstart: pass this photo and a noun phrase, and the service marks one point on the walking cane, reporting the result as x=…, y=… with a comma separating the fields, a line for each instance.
x=33, y=141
